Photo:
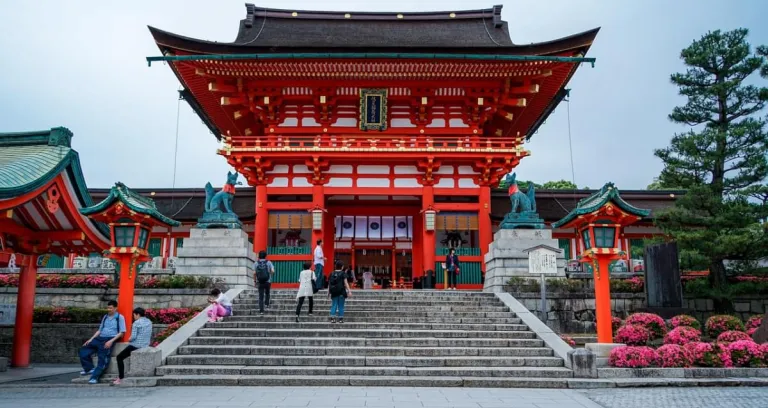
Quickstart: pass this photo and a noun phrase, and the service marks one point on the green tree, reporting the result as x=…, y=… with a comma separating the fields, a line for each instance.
x=658, y=184
x=560, y=185
x=722, y=158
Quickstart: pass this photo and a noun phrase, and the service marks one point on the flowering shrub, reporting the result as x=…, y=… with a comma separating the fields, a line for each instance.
x=751, y=332
x=160, y=337
x=79, y=315
x=674, y=356
x=104, y=281
x=631, y=285
x=722, y=323
x=633, y=335
x=571, y=342
x=654, y=323
x=685, y=320
x=746, y=353
x=616, y=324
x=682, y=335
x=633, y=357
x=754, y=322
x=731, y=336
x=9, y=280
x=708, y=354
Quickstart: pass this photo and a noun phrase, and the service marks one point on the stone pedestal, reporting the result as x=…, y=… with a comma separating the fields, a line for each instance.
x=218, y=253
x=505, y=257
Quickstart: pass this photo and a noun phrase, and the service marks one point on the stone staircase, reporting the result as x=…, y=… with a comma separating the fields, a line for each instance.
x=389, y=338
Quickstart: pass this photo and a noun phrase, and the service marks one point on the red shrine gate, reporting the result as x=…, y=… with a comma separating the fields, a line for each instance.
x=332, y=115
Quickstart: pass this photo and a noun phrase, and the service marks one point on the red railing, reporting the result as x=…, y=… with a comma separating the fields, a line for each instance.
x=372, y=142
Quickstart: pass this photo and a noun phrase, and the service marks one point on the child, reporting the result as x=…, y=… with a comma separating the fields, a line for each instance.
x=222, y=306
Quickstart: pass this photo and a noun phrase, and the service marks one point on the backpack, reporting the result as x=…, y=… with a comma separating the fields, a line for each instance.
x=336, y=283
x=262, y=271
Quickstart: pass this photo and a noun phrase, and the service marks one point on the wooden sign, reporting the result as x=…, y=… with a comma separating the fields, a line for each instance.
x=542, y=261
x=373, y=109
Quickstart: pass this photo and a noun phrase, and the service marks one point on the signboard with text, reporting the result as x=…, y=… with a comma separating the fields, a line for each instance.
x=542, y=261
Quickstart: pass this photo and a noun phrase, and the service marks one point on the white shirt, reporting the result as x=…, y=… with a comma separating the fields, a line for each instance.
x=319, y=257
x=224, y=300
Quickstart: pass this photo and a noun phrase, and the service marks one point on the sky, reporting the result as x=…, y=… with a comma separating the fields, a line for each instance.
x=82, y=65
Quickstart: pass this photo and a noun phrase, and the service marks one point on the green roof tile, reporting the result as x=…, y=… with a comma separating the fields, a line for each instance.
x=134, y=201
x=609, y=193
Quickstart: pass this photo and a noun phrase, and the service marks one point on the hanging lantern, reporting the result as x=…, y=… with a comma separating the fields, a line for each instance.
x=429, y=219
x=317, y=219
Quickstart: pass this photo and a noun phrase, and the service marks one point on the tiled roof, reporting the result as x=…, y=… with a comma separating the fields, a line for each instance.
x=134, y=201
x=609, y=193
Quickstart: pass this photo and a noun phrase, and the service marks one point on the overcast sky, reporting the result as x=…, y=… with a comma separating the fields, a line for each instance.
x=82, y=65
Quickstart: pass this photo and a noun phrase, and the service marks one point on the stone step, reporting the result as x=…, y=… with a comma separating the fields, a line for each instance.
x=368, y=351
x=341, y=331
x=323, y=318
x=358, y=305
x=352, y=312
x=359, y=361
x=534, y=372
x=353, y=324
x=362, y=342
x=361, y=381
x=358, y=296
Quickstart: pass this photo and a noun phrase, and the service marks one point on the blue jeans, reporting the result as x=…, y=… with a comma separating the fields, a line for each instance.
x=337, y=305
x=319, y=277
x=95, y=346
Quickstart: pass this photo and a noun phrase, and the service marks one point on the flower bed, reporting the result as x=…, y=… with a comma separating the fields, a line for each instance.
x=673, y=356
x=633, y=335
x=105, y=282
x=732, y=336
x=160, y=337
x=633, y=357
x=79, y=315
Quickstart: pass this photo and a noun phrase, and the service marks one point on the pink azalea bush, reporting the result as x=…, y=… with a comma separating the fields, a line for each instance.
x=708, y=354
x=751, y=332
x=723, y=323
x=571, y=342
x=654, y=323
x=754, y=322
x=633, y=335
x=732, y=336
x=746, y=353
x=682, y=335
x=633, y=357
x=616, y=323
x=685, y=320
x=674, y=356
x=9, y=280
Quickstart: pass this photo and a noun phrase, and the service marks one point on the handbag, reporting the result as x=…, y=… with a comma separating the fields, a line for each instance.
x=315, y=287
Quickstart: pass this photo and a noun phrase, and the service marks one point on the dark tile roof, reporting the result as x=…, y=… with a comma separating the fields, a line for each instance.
x=277, y=30
x=187, y=204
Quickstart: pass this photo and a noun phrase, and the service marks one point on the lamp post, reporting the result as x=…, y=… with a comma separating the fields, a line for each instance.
x=598, y=220
x=130, y=218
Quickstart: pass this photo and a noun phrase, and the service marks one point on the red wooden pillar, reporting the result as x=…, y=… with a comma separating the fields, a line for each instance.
x=261, y=225
x=25, y=305
x=602, y=276
x=329, y=242
x=484, y=228
x=125, y=293
x=417, y=261
x=428, y=237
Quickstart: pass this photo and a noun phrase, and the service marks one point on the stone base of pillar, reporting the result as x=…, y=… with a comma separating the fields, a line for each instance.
x=506, y=259
x=218, y=253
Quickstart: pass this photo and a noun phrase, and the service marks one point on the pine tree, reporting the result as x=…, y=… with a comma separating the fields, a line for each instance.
x=721, y=160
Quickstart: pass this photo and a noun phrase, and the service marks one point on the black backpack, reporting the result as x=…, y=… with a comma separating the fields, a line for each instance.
x=262, y=271
x=336, y=283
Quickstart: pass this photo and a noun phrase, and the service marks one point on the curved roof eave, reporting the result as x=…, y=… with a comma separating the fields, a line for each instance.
x=169, y=41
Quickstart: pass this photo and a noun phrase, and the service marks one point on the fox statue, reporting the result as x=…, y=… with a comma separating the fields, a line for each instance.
x=526, y=202
x=214, y=200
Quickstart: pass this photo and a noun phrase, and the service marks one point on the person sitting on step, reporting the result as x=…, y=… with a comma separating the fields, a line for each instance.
x=221, y=306
x=141, y=335
x=112, y=327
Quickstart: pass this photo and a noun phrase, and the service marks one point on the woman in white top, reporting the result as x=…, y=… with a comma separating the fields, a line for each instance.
x=222, y=306
x=306, y=289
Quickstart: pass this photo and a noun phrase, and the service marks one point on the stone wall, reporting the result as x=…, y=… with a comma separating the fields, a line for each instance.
x=98, y=298
x=575, y=312
x=55, y=343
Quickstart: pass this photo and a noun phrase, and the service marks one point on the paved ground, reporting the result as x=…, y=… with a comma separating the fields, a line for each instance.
x=39, y=372
x=313, y=397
